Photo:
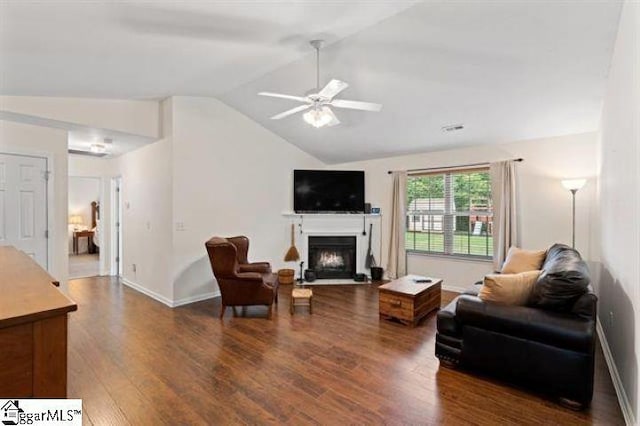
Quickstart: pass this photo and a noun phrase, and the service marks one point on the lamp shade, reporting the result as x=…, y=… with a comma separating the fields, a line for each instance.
x=573, y=184
x=75, y=220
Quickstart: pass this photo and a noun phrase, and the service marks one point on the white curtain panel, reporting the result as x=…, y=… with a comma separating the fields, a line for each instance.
x=397, y=262
x=505, y=221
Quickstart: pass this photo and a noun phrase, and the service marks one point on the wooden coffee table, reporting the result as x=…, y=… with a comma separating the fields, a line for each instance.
x=408, y=301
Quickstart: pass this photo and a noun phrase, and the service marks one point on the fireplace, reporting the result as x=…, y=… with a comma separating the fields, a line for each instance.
x=332, y=257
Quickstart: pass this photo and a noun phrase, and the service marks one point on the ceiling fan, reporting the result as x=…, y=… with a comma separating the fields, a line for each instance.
x=318, y=101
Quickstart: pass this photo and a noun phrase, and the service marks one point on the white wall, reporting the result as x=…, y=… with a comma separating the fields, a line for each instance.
x=27, y=139
x=134, y=117
x=146, y=219
x=544, y=205
x=82, y=192
x=619, y=226
x=81, y=165
x=231, y=176
x=216, y=172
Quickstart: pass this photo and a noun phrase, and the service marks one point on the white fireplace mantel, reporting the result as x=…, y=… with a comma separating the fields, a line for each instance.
x=336, y=224
x=337, y=215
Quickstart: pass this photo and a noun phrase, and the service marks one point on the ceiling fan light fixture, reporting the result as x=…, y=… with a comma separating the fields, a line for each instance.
x=98, y=148
x=317, y=117
x=319, y=114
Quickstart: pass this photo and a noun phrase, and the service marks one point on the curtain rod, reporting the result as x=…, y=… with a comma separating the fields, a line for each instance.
x=453, y=167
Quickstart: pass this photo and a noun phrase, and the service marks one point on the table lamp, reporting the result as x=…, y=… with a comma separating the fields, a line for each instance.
x=76, y=221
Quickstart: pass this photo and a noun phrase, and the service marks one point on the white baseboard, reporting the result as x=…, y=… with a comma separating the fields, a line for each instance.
x=197, y=298
x=152, y=294
x=625, y=405
x=454, y=288
x=170, y=303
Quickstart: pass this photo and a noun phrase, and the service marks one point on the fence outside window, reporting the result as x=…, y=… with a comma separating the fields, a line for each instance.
x=450, y=213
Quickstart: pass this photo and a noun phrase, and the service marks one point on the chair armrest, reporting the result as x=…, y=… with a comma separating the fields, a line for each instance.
x=254, y=279
x=262, y=267
x=559, y=329
x=248, y=276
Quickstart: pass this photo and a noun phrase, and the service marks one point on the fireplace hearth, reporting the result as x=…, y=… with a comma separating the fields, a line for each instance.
x=332, y=257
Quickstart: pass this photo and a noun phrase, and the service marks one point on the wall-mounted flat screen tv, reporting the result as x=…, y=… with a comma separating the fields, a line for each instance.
x=328, y=191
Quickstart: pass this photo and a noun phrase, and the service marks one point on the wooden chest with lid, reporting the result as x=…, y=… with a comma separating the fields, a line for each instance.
x=408, y=301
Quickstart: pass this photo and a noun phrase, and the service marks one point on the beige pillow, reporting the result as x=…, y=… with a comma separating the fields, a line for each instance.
x=509, y=289
x=519, y=260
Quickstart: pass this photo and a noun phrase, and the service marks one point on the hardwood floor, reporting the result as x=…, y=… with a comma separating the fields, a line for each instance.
x=135, y=361
x=84, y=265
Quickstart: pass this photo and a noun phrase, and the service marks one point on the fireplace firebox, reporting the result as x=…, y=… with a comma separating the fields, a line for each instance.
x=332, y=257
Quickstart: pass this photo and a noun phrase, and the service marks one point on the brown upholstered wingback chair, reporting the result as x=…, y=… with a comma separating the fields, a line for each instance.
x=241, y=283
x=242, y=247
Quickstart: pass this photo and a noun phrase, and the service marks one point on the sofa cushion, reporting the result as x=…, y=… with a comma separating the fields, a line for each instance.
x=564, y=279
x=563, y=330
x=519, y=260
x=508, y=289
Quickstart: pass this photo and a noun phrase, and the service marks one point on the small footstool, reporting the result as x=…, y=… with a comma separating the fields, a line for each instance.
x=300, y=297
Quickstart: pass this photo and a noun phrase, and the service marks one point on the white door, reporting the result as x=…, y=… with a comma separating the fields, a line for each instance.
x=23, y=205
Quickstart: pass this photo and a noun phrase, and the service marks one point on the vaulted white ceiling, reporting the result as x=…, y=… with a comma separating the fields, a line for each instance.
x=507, y=70
x=155, y=49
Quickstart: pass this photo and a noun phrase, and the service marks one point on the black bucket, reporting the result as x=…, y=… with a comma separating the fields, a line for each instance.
x=376, y=273
x=310, y=275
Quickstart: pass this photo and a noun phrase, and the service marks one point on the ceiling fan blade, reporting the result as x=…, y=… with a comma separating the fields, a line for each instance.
x=333, y=88
x=291, y=111
x=364, y=106
x=280, y=95
x=334, y=120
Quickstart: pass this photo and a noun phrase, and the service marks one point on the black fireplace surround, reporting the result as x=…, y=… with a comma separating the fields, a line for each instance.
x=332, y=256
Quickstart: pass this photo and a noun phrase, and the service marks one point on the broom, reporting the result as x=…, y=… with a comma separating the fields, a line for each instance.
x=292, y=253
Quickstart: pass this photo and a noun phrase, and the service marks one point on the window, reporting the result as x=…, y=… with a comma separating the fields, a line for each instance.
x=450, y=213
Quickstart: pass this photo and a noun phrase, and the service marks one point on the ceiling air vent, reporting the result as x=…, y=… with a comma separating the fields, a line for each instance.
x=453, y=128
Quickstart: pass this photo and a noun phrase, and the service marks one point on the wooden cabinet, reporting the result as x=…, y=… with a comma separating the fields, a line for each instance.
x=33, y=329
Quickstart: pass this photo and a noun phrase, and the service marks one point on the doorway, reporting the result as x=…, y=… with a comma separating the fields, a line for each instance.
x=23, y=205
x=85, y=236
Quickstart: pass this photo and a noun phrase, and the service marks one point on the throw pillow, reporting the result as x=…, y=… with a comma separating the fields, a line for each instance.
x=519, y=260
x=508, y=289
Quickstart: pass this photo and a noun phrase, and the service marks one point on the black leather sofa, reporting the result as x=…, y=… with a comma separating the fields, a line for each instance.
x=548, y=346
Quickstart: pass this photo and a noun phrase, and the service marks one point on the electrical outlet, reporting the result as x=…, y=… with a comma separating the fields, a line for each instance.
x=179, y=226
x=610, y=318
x=133, y=267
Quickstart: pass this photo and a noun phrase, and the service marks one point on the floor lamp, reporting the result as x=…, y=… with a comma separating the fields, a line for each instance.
x=573, y=185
